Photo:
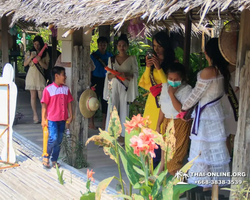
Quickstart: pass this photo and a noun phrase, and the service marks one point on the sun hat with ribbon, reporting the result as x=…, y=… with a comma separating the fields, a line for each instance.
x=88, y=103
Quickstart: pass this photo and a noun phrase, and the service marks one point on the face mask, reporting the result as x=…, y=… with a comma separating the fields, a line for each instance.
x=174, y=83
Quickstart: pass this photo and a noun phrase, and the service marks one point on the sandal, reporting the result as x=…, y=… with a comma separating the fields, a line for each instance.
x=54, y=165
x=46, y=163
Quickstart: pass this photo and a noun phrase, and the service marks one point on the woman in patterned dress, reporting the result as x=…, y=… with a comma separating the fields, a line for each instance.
x=35, y=79
x=173, y=95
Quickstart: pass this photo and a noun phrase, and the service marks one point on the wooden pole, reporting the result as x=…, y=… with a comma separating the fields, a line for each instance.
x=54, y=51
x=241, y=160
x=4, y=33
x=243, y=43
x=80, y=82
x=241, y=157
x=187, y=41
x=104, y=31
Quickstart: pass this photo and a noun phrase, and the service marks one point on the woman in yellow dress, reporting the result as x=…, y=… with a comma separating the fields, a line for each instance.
x=155, y=73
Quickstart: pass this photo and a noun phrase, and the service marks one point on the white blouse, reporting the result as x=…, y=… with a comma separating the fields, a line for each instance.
x=167, y=107
x=129, y=65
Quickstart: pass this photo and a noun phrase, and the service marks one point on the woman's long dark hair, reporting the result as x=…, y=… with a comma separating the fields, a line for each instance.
x=213, y=52
x=163, y=40
x=40, y=40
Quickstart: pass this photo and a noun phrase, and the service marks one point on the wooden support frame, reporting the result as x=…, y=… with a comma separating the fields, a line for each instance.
x=11, y=165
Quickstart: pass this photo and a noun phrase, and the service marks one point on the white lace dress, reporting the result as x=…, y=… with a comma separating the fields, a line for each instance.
x=208, y=134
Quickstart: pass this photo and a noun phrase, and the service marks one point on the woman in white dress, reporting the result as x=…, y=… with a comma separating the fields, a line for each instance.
x=208, y=134
x=121, y=93
x=35, y=79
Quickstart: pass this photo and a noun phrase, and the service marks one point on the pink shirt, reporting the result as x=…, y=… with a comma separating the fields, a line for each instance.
x=57, y=98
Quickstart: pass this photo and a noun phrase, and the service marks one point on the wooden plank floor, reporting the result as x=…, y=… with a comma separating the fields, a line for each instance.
x=103, y=166
x=31, y=181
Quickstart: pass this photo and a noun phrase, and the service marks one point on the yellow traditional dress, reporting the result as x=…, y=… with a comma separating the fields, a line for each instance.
x=151, y=108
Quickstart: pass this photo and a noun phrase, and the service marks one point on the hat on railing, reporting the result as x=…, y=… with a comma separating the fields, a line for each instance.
x=88, y=103
x=228, y=41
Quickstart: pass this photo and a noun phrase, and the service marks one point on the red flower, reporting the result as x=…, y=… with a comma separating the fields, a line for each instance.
x=144, y=143
x=136, y=122
x=90, y=175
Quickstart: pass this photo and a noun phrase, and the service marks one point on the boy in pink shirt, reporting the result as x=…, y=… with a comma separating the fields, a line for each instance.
x=56, y=103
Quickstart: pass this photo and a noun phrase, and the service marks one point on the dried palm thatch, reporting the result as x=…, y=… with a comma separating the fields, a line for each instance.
x=90, y=13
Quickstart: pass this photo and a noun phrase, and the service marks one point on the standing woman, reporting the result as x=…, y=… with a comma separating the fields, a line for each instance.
x=35, y=79
x=208, y=134
x=155, y=73
x=122, y=92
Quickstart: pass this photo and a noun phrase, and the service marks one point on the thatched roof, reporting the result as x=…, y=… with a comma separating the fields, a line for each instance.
x=90, y=13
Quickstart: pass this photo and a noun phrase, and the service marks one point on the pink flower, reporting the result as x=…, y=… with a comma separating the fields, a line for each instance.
x=90, y=175
x=144, y=143
x=136, y=122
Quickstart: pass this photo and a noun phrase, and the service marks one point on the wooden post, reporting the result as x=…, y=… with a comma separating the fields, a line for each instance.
x=187, y=41
x=104, y=31
x=80, y=82
x=24, y=42
x=54, y=51
x=241, y=157
x=243, y=43
x=5, y=45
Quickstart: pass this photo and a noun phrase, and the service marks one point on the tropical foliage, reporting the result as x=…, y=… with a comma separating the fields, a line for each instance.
x=136, y=158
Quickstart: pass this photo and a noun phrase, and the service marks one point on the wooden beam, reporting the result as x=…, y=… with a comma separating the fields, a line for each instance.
x=4, y=34
x=243, y=43
x=187, y=41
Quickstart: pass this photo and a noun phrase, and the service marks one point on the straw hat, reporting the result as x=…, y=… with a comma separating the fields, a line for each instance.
x=88, y=103
x=228, y=41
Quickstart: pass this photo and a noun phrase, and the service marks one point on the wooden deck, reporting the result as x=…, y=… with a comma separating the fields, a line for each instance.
x=101, y=164
x=31, y=181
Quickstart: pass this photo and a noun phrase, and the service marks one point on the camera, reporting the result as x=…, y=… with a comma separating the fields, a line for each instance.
x=150, y=54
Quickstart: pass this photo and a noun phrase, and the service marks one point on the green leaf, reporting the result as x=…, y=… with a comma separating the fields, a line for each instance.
x=128, y=167
x=167, y=191
x=89, y=196
x=123, y=196
x=88, y=184
x=102, y=186
x=110, y=151
x=178, y=189
x=156, y=170
x=143, y=187
x=139, y=171
x=115, y=127
x=137, y=197
x=157, y=184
